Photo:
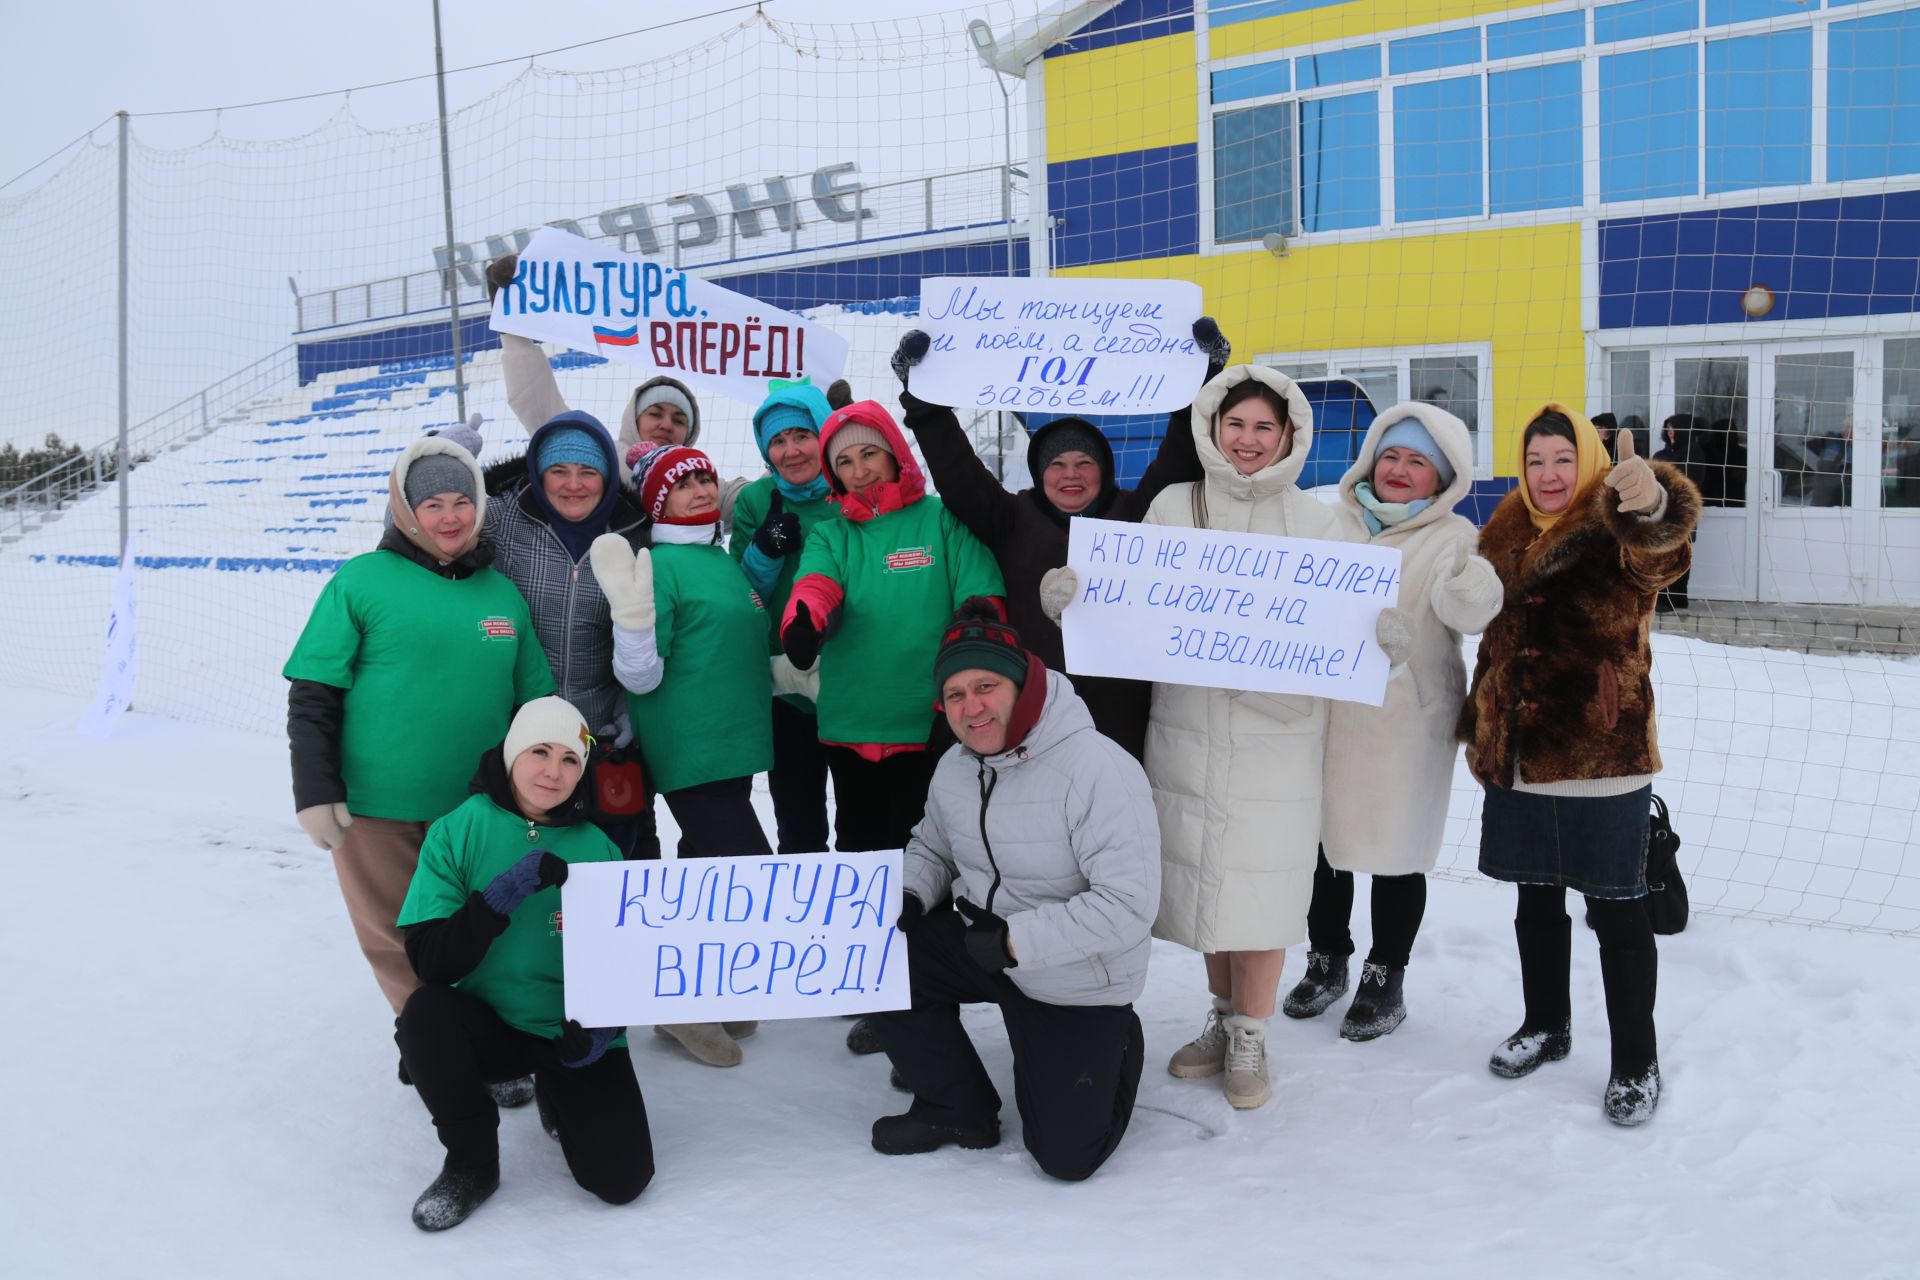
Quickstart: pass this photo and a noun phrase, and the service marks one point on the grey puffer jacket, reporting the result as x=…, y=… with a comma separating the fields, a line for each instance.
x=1066, y=819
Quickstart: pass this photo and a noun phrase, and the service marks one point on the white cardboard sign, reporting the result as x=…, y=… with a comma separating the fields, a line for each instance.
x=733, y=939
x=1229, y=610
x=1060, y=345
x=582, y=295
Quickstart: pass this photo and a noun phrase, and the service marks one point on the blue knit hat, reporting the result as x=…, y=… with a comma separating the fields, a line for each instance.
x=571, y=444
x=1409, y=433
x=790, y=405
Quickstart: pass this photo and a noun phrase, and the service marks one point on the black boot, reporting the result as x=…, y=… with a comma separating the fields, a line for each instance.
x=912, y=1135
x=511, y=1093
x=1633, y=1088
x=1324, y=982
x=548, y=1122
x=1378, y=1008
x=455, y=1194
x=863, y=1037
x=1546, y=1033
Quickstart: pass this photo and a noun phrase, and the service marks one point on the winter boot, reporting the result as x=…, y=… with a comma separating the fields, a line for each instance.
x=740, y=1030
x=1324, y=982
x=1378, y=1008
x=1633, y=1088
x=455, y=1194
x=863, y=1037
x=707, y=1041
x=1546, y=1033
x=511, y=1093
x=912, y=1135
x=1246, y=1084
x=1205, y=1054
x=548, y=1122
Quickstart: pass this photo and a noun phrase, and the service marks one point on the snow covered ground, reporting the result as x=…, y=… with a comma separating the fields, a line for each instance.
x=203, y=1085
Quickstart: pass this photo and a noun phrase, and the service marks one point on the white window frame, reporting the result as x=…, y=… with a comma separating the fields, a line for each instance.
x=1401, y=359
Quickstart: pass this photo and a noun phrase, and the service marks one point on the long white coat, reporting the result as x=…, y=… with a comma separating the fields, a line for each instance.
x=1389, y=768
x=1236, y=775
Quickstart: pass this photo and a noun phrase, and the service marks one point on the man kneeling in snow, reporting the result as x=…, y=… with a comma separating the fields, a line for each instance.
x=1044, y=831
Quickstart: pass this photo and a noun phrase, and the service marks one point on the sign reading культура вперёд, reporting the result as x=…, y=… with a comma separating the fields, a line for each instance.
x=1229, y=610
x=733, y=939
x=1060, y=345
x=574, y=292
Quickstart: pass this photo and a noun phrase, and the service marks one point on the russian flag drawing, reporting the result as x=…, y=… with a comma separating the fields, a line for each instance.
x=626, y=337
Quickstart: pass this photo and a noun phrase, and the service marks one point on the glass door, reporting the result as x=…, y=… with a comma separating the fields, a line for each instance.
x=1815, y=477
x=1699, y=401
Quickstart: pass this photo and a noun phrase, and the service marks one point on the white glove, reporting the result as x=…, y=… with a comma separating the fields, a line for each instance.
x=325, y=824
x=1058, y=587
x=1393, y=635
x=626, y=580
x=791, y=680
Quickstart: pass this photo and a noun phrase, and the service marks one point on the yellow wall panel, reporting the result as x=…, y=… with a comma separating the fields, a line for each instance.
x=1342, y=22
x=1127, y=97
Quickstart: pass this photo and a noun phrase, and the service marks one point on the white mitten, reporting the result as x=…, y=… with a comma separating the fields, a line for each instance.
x=325, y=824
x=1395, y=638
x=790, y=680
x=1058, y=587
x=1633, y=480
x=626, y=579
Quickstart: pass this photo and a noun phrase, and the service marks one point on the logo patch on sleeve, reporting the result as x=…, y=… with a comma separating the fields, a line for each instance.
x=907, y=559
x=497, y=628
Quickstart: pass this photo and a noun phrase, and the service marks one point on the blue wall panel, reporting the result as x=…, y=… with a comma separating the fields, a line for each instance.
x=1120, y=208
x=1127, y=22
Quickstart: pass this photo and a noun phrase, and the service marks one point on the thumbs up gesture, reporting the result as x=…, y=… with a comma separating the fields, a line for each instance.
x=1631, y=478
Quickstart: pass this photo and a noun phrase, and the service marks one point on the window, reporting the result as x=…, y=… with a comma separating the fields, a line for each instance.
x=1721, y=12
x=1642, y=18
x=1238, y=83
x=1647, y=106
x=1533, y=136
x=1873, y=96
x=1900, y=441
x=1340, y=162
x=1630, y=396
x=1760, y=111
x=1451, y=377
x=1536, y=35
x=1317, y=70
x=1253, y=172
x=1427, y=53
x=1436, y=150
x=1448, y=382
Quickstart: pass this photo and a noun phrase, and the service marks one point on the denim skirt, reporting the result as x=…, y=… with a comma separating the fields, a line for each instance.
x=1596, y=845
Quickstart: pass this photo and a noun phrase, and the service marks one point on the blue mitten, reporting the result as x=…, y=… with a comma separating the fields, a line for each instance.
x=536, y=871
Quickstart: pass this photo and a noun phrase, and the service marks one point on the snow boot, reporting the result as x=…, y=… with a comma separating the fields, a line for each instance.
x=1324, y=982
x=912, y=1135
x=740, y=1030
x=1546, y=1033
x=1378, y=1008
x=1633, y=1087
x=1246, y=1084
x=707, y=1041
x=1205, y=1054
x=899, y=1081
x=455, y=1194
x=863, y=1037
x=511, y=1093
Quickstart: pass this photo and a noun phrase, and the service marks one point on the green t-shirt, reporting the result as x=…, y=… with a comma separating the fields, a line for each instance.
x=750, y=510
x=904, y=574
x=709, y=717
x=520, y=976
x=433, y=668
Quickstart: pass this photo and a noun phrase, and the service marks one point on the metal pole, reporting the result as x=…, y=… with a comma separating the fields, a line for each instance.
x=124, y=461
x=446, y=201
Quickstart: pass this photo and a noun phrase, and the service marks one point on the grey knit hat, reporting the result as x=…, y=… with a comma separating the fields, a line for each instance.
x=437, y=473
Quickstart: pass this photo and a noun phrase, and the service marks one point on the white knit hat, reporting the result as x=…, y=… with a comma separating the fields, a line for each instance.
x=549, y=719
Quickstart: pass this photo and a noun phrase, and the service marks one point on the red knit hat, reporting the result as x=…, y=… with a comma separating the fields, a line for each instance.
x=657, y=470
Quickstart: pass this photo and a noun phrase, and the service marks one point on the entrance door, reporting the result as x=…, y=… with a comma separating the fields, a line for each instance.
x=1809, y=468
x=1708, y=388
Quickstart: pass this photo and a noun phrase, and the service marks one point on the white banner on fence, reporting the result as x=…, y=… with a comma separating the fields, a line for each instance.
x=1229, y=610
x=580, y=294
x=1060, y=345
x=733, y=939
x=115, y=694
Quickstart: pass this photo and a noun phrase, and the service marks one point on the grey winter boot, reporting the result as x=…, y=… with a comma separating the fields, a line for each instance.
x=1246, y=1084
x=1205, y=1054
x=707, y=1041
x=1324, y=982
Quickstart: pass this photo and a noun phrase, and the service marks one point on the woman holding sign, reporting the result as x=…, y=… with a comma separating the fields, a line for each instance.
x=1559, y=730
x=1389, y=769
x=1236, y=775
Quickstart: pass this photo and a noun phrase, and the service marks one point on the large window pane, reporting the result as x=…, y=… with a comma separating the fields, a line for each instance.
x=1873, y=96
x=1338, y=67
x=1900, y=442
x=1451, y=383
x=1641, y=18
x=1239, y=83
x=1713, y=392
x=1436, y=150
x=1760, y=111
x=1536, y=35
x=1253, y=172
x=1340, y=162
x=1533, y=135
x=1428, y=53
x=1721, y=12
x=1630, y=401
x=1647, y=124
x=1813, y=429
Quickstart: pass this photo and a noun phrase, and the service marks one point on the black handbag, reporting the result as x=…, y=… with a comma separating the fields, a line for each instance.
x=1666, y=899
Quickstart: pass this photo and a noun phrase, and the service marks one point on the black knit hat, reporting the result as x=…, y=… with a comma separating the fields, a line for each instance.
x=979, y=637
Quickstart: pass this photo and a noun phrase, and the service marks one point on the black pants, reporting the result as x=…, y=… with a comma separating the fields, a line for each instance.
x=717, y=819
x=877, y=804
x=453, y=1044
x=798, y=780
x=1399, y=904
x=1076, y=1068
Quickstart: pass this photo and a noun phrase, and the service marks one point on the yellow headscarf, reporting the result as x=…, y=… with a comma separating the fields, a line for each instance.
x=1590, y=457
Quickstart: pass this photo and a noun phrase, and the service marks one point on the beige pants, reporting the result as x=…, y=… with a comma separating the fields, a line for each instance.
x=375, y=866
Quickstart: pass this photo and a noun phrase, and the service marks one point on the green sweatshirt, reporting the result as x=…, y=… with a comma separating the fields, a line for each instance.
x=750, y=510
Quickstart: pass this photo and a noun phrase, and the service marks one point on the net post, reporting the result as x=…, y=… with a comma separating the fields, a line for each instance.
x=446, y=203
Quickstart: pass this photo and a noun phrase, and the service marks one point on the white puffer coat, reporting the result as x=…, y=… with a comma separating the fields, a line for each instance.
x=1236, y=775
x=1389, y=768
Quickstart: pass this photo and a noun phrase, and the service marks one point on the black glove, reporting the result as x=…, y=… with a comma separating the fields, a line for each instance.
x=914, y=344
x=986, y=937
x=536, y=871
x=801, y=639
x=579, y=1047
x=1207, y=336
x=500, y=273
x=778, y=536
x=910, y=913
